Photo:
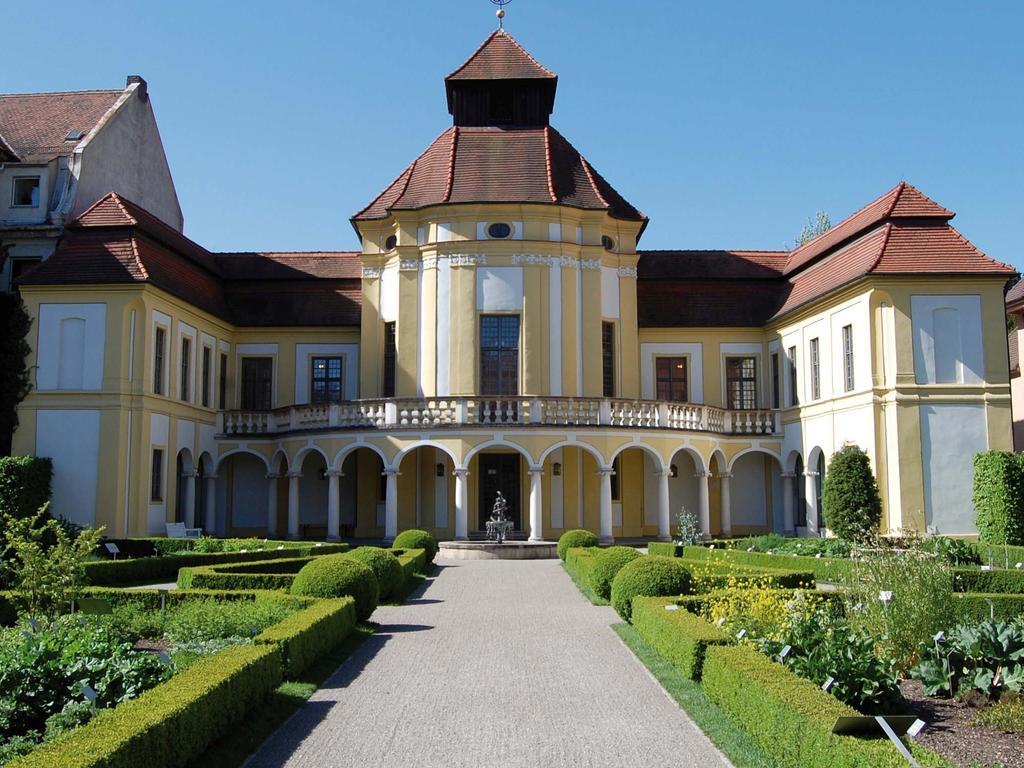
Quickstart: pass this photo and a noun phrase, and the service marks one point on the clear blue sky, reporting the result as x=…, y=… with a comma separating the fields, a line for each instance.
x=729, y=124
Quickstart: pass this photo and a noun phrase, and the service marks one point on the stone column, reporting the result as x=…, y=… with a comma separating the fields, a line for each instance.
x=788, y=519
x=536, y=504
x=725, y=477
x=188, y=490
x=461, y=504
x=293, y=504
x=703, y=503
x=606, y=504
x=333, y=504
x=664, y=517
x=391, y=505
x=210, y=518
x=272, y=505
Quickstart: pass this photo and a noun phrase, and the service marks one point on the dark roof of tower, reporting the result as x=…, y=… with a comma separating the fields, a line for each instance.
x=501, y=57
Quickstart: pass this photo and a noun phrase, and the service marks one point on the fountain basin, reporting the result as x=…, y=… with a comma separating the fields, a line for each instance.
x=490, y=550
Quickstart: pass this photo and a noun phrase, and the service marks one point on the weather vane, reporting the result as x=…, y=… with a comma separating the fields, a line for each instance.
x=501, y=11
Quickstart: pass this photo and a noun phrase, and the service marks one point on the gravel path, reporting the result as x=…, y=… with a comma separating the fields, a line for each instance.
x=494, y=663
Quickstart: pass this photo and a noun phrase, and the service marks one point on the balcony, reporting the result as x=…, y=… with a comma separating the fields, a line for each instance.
x=462, y=412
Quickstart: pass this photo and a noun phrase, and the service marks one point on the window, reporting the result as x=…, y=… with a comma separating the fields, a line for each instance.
x=670, y=379
x=499, y=230
x=608, y=358
x=799, y=494
x=26, y=192
x=206, y=377
x=159, y=352
x=848, y=358
x=741, y=382
x=776, y=397
x=815, y=370
x=607, y=243
x=156, y=477
x=616, y=483
x=223, y=383
x=390, y=351
x=326, y=387
x=391, y=243
x=186, y=354
x=794, y=375
x=499, y=355
x=257, y=383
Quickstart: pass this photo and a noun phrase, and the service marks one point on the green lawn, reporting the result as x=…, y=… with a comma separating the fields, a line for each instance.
x=724, y=733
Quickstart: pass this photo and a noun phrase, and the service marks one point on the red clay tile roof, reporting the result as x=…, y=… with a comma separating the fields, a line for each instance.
x=902, y=201
x=501, y=57
x=719, y=265
x=500, y=165
x=1015, y=295
x=116, y=241
x=34, y=125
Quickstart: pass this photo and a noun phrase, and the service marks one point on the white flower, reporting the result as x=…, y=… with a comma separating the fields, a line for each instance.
x=885, y=595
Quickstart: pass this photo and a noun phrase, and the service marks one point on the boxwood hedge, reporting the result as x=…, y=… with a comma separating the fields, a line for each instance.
x=173, y=723
x=650, y=576
x=310, y=633
x=576, y=537
x=676, y=634
x=607, y=564
x=998, y=580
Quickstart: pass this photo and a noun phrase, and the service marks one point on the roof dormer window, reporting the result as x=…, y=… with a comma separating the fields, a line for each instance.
x=74, y=135
x=26, y=192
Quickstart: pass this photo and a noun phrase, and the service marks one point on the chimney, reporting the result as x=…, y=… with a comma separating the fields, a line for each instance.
x=143, y=86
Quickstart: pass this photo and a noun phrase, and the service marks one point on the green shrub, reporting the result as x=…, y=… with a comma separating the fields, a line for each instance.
x=665, y=549
x=955, y=551
x=995, y=581
x=338, y=576
x=412, y=561
x=792, y=718
x=607, y=565
x=987, y=656
x=975, y=606
x=385, y=567
x=830, y=569
x=309, y=634
x=575, y=538
x=201, y=620
x=808, y=546
x=1003, y=716
x=24, y=485
x=999, y=497
x=850, y=500
x=676, y=634
x=650, y=576
x=998, y=554
x=414, y=538
x=173, y=723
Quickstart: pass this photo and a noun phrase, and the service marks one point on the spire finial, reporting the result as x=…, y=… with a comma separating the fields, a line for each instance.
x=501, y=11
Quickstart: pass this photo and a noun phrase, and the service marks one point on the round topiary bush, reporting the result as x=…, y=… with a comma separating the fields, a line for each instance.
x=651, y=576
x=414, y=538
x=849, y=498
x=385, y=567
x=608, y=564
x=575, y=538
x=338, y=576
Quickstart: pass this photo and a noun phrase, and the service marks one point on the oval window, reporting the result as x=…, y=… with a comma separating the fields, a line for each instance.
x=499, y=231
x=608, y=243
x=390, y=243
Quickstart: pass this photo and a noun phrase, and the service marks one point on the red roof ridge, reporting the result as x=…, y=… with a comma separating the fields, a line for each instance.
x=981, y=253
x=451, y=164
x=547, y=163
x=895, y=199
x=138, y=259
x=110, y=197
x=894, y=191
x=881, y=250
x=590, y=177
x=490, y=38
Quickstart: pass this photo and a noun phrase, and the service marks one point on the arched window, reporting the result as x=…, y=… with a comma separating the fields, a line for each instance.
x=799, y=494
x=819, y=484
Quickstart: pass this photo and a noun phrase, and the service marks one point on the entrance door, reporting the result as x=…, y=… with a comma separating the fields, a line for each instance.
x=499, y=472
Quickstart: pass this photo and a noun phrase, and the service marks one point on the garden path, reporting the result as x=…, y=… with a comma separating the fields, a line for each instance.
x=493, y=663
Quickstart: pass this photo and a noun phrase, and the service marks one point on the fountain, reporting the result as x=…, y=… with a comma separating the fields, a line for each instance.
x=497, y=529
x=500, y=524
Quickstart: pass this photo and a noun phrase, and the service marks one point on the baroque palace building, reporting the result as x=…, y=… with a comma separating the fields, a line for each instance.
x=500, y=330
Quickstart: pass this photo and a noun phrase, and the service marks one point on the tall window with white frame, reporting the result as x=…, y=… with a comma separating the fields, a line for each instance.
x=815, y=370
x=776, y=396
x=670, y=379
x=499, y=355
x=326, y=386
x=794, y=377
x=257, y=383
x=223, y=381
x=207, y=353
x=186, y=358
x=156, y=476
x=741, y=383
x=159, y=354
x=390, y=353
x=608, y=359
x=848, y=358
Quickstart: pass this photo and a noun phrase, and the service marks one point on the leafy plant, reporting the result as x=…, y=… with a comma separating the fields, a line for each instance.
x=804, y=546
x=199, y=621
x=1005, y=715
x=850, y=500
x=47, y=578
x=987, y=656
x=999, y=497
x=688, y=530
x=954, y=551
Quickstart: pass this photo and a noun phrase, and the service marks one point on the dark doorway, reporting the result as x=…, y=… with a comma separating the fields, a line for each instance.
x=499, y=472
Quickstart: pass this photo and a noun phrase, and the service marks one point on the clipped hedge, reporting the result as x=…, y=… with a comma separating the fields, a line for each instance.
x=607, y=565
x=580, y=561
x=791, y=718
x=385, y=567
x=999, y=554
x=24, y=484
x=650, y=576
x=577, y=537
x=999, y=497
x=665, y=549
x=829, y=569
x=411, y=561
x=338, y=576
x=998, y=580
x=676, y=634
x=307, y=635
x=414, y=538
x=112, y=573
x=975, y=606
x=173, y=723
